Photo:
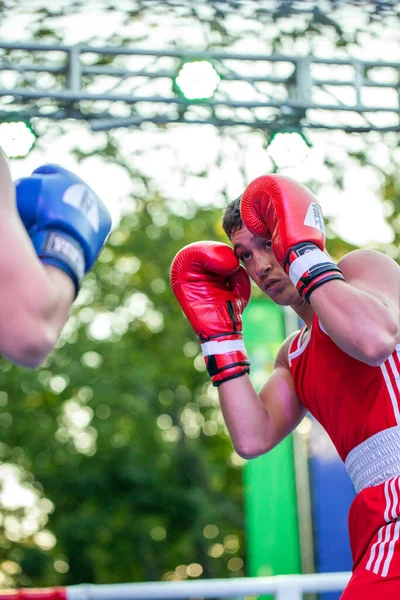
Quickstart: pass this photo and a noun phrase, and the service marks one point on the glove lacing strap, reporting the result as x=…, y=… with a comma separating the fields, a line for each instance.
x=225, y=354
x=308, y=268
x=60, y=249
x=223, y=347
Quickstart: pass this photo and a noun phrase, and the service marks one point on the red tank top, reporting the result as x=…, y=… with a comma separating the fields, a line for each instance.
x=350, y=399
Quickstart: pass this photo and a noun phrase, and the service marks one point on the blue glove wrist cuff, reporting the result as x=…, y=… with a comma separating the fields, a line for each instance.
x=62, y=251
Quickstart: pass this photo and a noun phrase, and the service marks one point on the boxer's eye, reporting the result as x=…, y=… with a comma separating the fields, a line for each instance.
x=245, y=257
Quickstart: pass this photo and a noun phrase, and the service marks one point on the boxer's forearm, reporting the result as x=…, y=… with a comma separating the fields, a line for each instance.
x=31, y=325
x=245, y=417
x=52, y=315
x=7, y=193
x=258, y=422
x=63, y=295
x=358, y=322
x=36, y=299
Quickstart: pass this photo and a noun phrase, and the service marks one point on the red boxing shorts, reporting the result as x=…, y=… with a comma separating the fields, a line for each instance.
x=374, y=527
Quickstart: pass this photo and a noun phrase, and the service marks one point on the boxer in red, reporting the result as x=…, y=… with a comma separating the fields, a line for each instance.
x=343, y=366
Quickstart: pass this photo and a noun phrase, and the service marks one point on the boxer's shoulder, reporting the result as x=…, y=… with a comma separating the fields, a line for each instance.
x=282, y=356
x=366, y=263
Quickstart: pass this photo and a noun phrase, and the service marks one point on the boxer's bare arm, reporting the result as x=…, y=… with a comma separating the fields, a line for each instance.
x=362, y=313
x=35, y=300
x=258, y=422
x=7, y=195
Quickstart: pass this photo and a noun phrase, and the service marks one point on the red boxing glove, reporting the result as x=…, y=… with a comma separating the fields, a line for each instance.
x=278, y=207
x=213, y=290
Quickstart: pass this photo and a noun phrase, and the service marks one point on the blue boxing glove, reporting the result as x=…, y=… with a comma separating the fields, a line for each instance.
x=66, y=221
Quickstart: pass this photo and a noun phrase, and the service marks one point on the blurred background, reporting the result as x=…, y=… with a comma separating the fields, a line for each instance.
x=115, y=462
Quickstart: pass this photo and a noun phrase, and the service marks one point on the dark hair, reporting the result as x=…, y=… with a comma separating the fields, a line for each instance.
x=231, y=220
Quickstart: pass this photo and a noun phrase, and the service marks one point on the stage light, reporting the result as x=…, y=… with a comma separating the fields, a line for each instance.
x=196, y=80
x=288, y=147
x=16, y=137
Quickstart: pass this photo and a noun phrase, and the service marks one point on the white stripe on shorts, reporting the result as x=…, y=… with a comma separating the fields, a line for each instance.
x=382, y=550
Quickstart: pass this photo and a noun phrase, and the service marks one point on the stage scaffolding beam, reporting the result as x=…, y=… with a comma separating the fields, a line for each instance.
x=112, y=87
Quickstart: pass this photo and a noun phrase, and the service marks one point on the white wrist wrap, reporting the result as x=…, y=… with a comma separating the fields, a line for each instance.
x=212, y=348
x=304, y=262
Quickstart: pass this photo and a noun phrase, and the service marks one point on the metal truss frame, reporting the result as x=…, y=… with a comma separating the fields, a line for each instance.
x=112, y=87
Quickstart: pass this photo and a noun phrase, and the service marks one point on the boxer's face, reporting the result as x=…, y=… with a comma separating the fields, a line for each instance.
x=256, y=255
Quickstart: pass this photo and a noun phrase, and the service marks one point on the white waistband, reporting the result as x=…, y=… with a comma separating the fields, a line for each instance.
x=376, y=460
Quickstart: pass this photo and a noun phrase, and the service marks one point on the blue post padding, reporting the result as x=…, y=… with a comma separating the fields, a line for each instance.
x=332, y=494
